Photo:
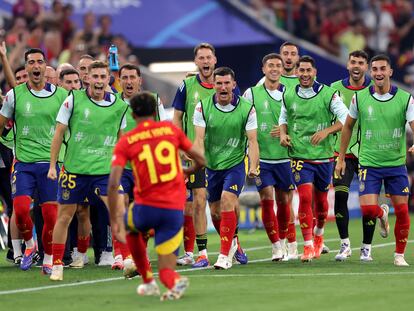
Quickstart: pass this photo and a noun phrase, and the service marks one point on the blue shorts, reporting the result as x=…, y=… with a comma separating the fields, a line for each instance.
x=167, y=225
x=319, y=174
x=73, y=189
x=231, y=180
x=28, y=177
x=395, y=180
x=127, y=182
x=278, y=175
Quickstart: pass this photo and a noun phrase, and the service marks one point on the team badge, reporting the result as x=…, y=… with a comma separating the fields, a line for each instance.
x=297, y=177
x=65, y=195
x=258, y=181
x=361, y=186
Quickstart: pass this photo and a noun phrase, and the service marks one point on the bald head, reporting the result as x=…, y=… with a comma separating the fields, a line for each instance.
x=62, y=67
x=50, y=75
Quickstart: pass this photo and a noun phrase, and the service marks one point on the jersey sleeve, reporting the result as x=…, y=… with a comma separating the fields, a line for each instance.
x=353, y=109
x=338, y=108
x=248, y=94
x=120, y=157
x=161, y=110
x=251, y=123
x=65, y=110
x=198, y=116
x=180, y=98
x=7, y=110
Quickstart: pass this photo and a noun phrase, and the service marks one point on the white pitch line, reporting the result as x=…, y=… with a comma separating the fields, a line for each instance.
x=40, y=288
x=303, y=274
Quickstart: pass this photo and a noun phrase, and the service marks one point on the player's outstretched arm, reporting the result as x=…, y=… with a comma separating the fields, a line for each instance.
x=8, y=72
x=115, y=213
x=345, y=138
x=253, y=152
x=55, y=148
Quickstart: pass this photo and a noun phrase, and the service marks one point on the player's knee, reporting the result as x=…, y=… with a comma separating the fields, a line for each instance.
x=21, y=205
x=369, y=211
x=401, y=211
x=305, y=195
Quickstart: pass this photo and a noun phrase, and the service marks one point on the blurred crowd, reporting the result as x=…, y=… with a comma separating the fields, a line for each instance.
x=33, y=26
x=342, y=26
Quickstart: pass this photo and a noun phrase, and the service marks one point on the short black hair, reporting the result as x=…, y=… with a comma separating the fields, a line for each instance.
x=288, y=43
x=20, y=68
x=143, y=104
x=306, y=59
x=359, y=53
x=69, y=71
x=129, y=66
x=271, y=56
x=380, y=57
x=33, y=51
x=224, y=71
x=204, y=45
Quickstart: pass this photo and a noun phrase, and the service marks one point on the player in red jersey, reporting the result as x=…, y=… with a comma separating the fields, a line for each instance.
x=159, y=194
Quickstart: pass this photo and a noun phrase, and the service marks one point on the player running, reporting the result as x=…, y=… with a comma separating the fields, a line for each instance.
x=159, y=195
x=382, y=111
x=275, y=172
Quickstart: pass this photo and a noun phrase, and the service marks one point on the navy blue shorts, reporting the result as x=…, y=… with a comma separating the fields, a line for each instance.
x=278, y=175
x=395, y=180
x=28, y=177
x=319, y=174
x=127, y=182
x=73, y=189
x=167, y=225
x=231, y=180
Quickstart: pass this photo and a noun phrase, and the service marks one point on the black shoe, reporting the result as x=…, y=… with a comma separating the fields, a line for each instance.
x=18, y=260
x=10, y=256
x=67, y=261
x=38, y=259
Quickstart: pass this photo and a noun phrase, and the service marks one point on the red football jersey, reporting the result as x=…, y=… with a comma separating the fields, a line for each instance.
x=152, y=149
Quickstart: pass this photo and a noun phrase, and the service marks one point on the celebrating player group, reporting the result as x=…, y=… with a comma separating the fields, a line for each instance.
x=80, y=143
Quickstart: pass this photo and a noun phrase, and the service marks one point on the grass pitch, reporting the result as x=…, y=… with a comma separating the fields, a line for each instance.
x=261, y=285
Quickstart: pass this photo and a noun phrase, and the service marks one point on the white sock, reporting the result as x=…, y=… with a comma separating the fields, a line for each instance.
x=367, y=246
x=308, y=243
x=397, y=254
x=277, y=244
x=318, y=231
x=346, y=241
x=48, y=259
x=17, y=247
x=30, y=243
x=203, y=252
x=190, y=254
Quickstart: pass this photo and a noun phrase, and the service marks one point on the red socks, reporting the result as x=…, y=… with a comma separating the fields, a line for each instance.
x=372, y=211
x=83, y=243
x=283, y=215
x=57, y=251
x=269, y=220
x=168, y=277
x=21, y=205
x=189, y=234
x=291, y=235
x=120, y=248
x=402, y=227
x=321, y=208
x=305, y=211
x=49, y=213
x=227, y=230
x=139, y=253
x=216, y=223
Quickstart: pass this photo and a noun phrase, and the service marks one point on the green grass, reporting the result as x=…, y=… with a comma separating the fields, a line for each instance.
x=261, y=285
